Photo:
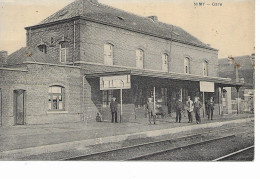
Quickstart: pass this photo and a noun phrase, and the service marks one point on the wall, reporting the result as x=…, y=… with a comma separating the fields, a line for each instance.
x=59, y=32
x=36, y=83
x=94, y=36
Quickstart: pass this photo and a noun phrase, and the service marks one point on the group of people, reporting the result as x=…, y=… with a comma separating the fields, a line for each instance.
x=195, y=106
x=189, y=106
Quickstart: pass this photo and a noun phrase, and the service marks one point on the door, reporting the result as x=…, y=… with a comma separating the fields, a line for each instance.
x=19, y=103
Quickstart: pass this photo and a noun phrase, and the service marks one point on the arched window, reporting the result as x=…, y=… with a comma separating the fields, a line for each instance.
x=205, y=68
x=56, y=98
x=108, y=54
x=187, y=65
x=139, y=58
x=63, y=52
x=165, y=62
x=43, y=48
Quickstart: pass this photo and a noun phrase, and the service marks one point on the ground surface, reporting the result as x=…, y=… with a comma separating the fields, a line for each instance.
x=52, y=139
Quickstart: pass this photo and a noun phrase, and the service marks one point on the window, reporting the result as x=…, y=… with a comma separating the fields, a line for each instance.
x=108, y=54
x=107, y=97
x=63, y=52
x=187, y=65
x=205, y=68
x=139, y=58
x=43, y=48
x=165, y=62
x=56, y=98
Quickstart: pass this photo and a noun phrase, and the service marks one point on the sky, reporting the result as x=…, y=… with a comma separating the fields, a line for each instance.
x=229, y=28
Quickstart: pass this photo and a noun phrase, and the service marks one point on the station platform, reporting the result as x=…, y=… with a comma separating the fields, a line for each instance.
x=18, y=142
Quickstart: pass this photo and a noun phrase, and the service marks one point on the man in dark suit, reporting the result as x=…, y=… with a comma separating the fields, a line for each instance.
x=197, y=106
x=150, y=109
x=210, y=108
x=113, y=107
x=179, y=108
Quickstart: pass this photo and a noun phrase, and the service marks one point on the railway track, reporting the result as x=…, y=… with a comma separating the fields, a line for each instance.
x=161, y=143
x=230, y=155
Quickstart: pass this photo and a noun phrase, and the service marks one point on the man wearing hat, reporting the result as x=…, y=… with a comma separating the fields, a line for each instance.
x=197, y=106
x=189, y=106
x=113, y=107
x=150, y=111
x=210, y=106
x=179, y=108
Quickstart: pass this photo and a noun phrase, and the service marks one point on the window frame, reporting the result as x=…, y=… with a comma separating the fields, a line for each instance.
x=187, y=64
x=109, y=55
x=65, y=49
x=51, y=99
x=205, y=68
x=139, y=58
x=163, y=62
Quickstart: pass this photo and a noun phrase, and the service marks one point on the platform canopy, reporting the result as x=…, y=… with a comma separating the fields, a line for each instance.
x=113, y=71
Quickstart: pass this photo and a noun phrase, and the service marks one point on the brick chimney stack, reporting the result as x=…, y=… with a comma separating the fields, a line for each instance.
x=3, y=57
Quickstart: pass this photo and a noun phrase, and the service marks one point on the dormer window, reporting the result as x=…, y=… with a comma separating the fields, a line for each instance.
x=120, y=18
x=63, y=52
x=43, y=48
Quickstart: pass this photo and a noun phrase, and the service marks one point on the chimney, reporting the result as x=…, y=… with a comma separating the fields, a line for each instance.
x=3, y=57
x=154, y=18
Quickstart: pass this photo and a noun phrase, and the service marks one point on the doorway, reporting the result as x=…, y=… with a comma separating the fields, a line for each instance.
x=19, y=107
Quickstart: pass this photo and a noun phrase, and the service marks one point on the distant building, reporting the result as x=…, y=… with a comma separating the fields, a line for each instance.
x=245, y=73
x=77, y=59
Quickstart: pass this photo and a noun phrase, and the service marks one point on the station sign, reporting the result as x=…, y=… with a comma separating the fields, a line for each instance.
x=207, y=86
x=115, y=82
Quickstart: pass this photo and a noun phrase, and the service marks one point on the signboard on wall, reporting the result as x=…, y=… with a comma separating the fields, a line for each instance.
x=115, y=82
x=207, y=86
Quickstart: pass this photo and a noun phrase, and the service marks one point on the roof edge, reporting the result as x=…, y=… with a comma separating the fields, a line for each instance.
x=155, y=71
x=50, y=64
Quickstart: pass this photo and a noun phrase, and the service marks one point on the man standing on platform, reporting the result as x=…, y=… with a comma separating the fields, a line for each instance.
x=210, y=108
x=190, y=106
x=179, y=108
x=197, y=106
x=151, y=113
x=113, y=107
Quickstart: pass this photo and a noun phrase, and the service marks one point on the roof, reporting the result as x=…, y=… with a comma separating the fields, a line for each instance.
x=31, y=54
x=96, y=70
x=93, y=11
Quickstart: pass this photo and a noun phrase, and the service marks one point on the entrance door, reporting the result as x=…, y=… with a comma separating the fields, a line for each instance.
x=19, y=103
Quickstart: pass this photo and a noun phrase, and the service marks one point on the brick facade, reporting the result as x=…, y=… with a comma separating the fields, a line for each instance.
x=35, y=80
x=94, y=36
x=90, y=38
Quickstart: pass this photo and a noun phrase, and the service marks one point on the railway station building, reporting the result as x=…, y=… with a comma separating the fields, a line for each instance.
x=80, y=57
